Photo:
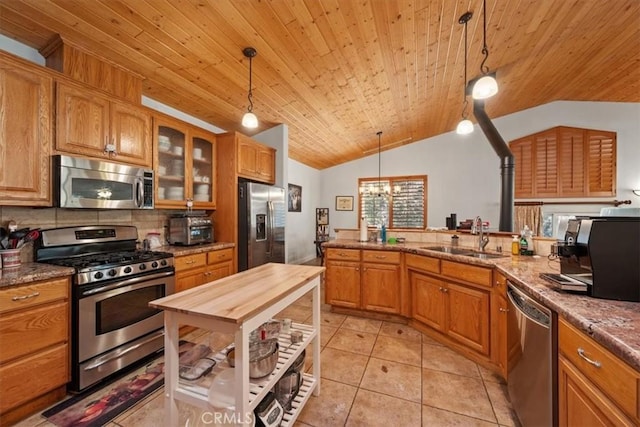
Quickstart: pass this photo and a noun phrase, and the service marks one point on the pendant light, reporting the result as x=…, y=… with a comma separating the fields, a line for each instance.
x=486, y=86
x=465, y=126
x=249, y=120
x=379, y=133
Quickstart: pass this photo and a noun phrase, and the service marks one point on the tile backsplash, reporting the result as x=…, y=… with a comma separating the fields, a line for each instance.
x=145, y=220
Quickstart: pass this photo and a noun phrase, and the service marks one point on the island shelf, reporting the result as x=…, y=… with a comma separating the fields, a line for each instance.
x=237, y=305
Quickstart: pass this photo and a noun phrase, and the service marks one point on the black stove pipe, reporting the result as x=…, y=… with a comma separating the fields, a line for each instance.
x=507, y=164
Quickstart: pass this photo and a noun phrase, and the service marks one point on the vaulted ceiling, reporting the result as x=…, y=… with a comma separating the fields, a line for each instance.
x=338, y=71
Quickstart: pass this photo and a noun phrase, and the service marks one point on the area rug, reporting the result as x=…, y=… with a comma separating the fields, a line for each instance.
x=98, y=407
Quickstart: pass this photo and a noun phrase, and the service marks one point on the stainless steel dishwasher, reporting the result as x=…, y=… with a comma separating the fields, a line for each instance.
x=532, y=348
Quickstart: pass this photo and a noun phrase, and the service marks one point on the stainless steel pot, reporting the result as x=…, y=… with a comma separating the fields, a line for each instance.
x=263, y=358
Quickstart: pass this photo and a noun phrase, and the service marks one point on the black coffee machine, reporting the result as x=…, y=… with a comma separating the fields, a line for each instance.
x=603, y=253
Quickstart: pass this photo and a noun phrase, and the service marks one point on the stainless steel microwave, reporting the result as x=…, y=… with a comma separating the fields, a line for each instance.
x=88, y=183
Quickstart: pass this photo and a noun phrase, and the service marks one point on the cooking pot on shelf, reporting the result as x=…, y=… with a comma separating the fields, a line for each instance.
x=263, y=358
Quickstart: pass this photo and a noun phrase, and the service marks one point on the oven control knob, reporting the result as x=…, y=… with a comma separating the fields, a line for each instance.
x=127, y=270
x=98, y=275
x=143, y=266
x=112, y=272
x=163, y=262
x=154, y=264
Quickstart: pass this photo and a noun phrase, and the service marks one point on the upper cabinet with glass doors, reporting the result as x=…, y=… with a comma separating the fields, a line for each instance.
x=184, y=164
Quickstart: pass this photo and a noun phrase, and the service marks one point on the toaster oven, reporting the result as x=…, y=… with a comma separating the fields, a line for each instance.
x=187, y=230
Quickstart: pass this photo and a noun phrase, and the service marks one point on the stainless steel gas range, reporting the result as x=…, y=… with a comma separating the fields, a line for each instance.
x=112, y=324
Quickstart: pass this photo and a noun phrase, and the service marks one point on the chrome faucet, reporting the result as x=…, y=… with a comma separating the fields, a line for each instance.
x=476, y=228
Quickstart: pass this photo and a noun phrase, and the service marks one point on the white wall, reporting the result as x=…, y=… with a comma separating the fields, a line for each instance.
x=464, y=171
x=301, y=231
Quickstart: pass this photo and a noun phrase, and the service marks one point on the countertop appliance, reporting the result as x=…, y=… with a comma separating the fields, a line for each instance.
x=96, y=184
x=532, y=350
x=604, y=254
x=112, y=325
x=262, y=212
x=190, y=229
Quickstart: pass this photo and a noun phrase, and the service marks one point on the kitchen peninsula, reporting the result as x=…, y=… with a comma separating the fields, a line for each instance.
x=238, y=304
x=461, y=300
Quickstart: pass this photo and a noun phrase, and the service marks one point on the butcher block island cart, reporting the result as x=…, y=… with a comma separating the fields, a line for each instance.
x=237, y=305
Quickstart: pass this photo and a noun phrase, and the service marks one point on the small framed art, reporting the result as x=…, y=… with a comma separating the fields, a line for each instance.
x=344, y=203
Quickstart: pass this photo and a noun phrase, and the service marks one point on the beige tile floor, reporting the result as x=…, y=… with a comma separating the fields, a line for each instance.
x=374, y=373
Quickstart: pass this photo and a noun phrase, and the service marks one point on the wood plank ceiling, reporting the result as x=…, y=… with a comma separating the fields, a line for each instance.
x=338, y=71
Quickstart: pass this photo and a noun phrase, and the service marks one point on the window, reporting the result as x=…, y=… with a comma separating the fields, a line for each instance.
x=398, y=202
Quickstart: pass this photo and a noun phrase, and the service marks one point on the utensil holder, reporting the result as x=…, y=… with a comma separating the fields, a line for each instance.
x=10, y=258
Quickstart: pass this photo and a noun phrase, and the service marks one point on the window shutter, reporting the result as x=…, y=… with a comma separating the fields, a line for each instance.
x=601, y=157
x=408, y=204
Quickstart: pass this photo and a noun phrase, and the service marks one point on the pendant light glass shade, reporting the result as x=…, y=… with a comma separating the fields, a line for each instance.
x=465, y=127
x=249, y=120
x=485, y=87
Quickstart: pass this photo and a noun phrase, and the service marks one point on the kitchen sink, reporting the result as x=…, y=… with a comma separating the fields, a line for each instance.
x=463, y=252
x=448, y=250
x=483, y=255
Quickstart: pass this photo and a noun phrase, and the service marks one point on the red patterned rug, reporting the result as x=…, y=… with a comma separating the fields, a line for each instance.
x=97, y=407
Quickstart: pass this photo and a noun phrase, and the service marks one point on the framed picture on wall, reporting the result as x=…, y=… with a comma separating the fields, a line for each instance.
x=344, y=203
x=295, y=198
x=322, y=216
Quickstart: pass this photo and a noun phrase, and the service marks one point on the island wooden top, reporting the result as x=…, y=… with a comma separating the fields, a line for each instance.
x=242, y=295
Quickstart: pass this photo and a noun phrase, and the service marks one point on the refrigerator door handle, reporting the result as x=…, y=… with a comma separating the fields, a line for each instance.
x=271, y=226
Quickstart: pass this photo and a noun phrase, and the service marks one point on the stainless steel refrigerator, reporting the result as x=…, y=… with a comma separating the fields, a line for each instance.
x=262, y=212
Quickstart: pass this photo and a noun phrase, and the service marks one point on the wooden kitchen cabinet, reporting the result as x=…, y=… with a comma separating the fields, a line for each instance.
x=565, y=162
x=184, y=164
x=26, y=133
x=343, y=278
x=428, y=300
x=33, y=374
x=198, y=269
x=499, y=310
x=368, y=279
x=595, y=387
x=381, y=281
x=91, y=124
x=255, y=161
x=452, y=298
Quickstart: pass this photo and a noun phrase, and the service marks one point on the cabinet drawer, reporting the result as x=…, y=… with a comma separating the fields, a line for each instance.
x=220, y=256
x=343, y=254
x=423, y=263
x=468, y=273
x=33, y=376
x=34, y=329
x=34, y=294
x=190, y=261
x=613, y=377
x=385, y=257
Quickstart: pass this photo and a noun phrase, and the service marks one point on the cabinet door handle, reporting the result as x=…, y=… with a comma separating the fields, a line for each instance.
x=445, y=290
x=595, y=363
x=441, y=289
x=364, y=269
x=381, y=256
x=342, y=254
x=503, y=310
x=23, y=297
x=191, y=261
x=357, y=269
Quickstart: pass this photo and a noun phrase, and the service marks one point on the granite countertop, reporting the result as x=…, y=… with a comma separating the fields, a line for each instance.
x=195, y=249
x=31, y=272
x=613, y=324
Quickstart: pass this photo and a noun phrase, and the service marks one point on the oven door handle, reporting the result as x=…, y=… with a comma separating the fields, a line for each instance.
x=139, y=192
x=131, y=281
x=121, y=353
